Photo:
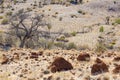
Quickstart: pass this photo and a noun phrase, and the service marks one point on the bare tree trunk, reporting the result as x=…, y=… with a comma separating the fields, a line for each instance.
x=22, y=43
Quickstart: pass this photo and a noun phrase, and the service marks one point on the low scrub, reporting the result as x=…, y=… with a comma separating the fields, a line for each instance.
x=117, y=21
x=4, y=21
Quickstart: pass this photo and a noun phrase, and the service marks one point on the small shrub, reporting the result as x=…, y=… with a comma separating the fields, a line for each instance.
x=101, y=29
x=12, y=9
x=1, y=31
x=60, y=45
x=73, y=16
x=113, y=24
x=2, y=11
x=62, y=38
x=1, y=37
x=81, y=12
x=15, y=1
x=73, y=33
x=83, y=47
x=49, y=26
x=56, y=12
x=60, y=19
x=49, y=45
x=49, y=9
x=29, y=9
x=4, y=21
x=100, y=48
x=1, y=17
x=71, y=46
x=117, y=21
x=9, y=13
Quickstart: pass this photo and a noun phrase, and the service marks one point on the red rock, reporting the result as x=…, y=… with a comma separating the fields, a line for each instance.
x=116, y=69
x=4, y=60
x=116, y=59
x=34, y=55
x=98, y=60
x=60, y=64
x=16, y=56
x=83, y=57
x=99, y=67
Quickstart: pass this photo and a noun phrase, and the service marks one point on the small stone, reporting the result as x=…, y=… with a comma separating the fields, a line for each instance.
x=83, y=57
x=116, y=69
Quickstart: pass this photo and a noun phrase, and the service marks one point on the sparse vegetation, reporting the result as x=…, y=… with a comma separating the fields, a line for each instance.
x=81, y=12
x=60, y=45
x=1, y=17
x=74, y=33
x=29, y=9
x=100, y=47
x=83, y=47
x=73, y=16
x=71, y=45
x=9, y=13
x=101, y=29
x=117, y=21
x=4, y=21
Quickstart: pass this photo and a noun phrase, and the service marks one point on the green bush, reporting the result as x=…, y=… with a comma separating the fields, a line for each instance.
x=15, y=1
x=81, y=12
x=9, y=13
x=71, y=46
x=1, y=17
x=60, y=45
x=29, y=9
x=62, y=38
x=100, y=47
x=101, y=29
x=4, y=21
x=117, y=21
x=73, y=33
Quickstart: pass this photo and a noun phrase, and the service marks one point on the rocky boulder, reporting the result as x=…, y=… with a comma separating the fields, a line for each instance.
x=60, y=64
x=99, y=67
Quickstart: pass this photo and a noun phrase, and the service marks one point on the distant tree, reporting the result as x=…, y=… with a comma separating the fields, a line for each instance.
x=25, y=27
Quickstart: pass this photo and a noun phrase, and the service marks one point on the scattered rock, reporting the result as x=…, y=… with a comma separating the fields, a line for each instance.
x=4, y=59
x=83, y=57
x=116, y=59
x=116, y=70
x=16, y=56
x=34, y=55
x=60, y=64
x=99, y=67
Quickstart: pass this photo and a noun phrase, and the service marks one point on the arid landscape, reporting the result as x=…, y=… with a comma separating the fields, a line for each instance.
x=59, y=39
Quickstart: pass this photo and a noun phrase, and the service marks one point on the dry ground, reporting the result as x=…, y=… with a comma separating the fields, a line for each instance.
x=24, y=68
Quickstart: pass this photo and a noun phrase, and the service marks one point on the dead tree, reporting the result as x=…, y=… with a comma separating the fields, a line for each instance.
x=25, y=27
